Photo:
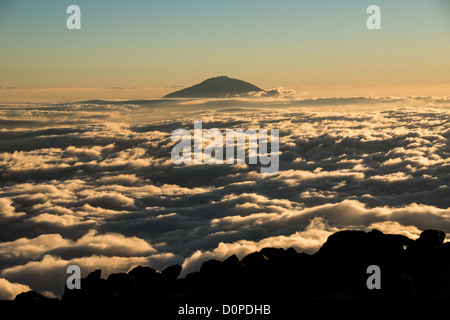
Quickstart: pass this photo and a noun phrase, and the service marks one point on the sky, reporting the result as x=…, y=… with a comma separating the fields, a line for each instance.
x=166, y=44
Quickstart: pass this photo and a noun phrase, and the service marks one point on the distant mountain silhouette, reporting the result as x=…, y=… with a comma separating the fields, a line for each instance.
x=218, y=87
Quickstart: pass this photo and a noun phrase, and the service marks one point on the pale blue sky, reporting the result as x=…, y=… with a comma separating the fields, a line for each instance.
x=179, y=42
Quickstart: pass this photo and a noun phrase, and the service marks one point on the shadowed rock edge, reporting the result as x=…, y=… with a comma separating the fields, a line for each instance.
x=410, y=270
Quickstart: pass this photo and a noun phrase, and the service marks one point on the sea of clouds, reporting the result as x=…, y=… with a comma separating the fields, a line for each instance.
x=93, y=184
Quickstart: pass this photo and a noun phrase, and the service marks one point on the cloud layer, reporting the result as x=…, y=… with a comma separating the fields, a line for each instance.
x=94, y=185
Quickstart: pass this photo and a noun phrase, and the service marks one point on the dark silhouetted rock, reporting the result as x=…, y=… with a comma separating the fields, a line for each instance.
x=210, y=267
x=431, y=238
x=93, y=287
x=144, y=274
x=409, y=270
x=171, y=273
x=120, y=285
x=230, y=265
x=193, y=276
x=281, y=258
x=273, y=254
x=344, y=243
x=31, y=296
x=97, y=274
x=254, y=261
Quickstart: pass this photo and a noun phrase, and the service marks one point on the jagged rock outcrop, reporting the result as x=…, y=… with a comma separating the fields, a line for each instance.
x=32, y=296
x=409, y=270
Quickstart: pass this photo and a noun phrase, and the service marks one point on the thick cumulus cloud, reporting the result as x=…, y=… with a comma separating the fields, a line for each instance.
x=309, y=241
x=8, y=290
x=7, y=210
x=39, y=273
x=93, y=183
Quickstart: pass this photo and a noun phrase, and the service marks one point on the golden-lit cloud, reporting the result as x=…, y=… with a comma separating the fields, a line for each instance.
x=8, y=290
x=93, y=184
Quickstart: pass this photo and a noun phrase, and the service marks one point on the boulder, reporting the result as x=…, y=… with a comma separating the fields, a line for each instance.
x=211, y=267
x=431, y=238
x=171, y=273
x=255, y=261
x=144, y=274
x=120, y=285
x=94, y=275
x=230, y=265
x=344, y=244
x=409, y=270
x=31, y=296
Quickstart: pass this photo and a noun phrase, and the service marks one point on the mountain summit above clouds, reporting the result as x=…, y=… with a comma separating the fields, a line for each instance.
x=218, y=87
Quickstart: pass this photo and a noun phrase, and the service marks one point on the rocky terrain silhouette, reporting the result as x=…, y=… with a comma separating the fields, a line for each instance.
x=410, y=269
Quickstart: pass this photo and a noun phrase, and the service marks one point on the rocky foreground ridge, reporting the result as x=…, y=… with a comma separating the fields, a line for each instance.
x=410, y=269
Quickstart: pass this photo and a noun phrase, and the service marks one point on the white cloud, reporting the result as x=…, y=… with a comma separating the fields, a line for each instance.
x=107, y=167
x=7, y=210
x=309, y=241
x=8, y=290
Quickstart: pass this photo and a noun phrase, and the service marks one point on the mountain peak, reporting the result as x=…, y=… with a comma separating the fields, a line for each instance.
x=218, y=77
x=216, y=87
